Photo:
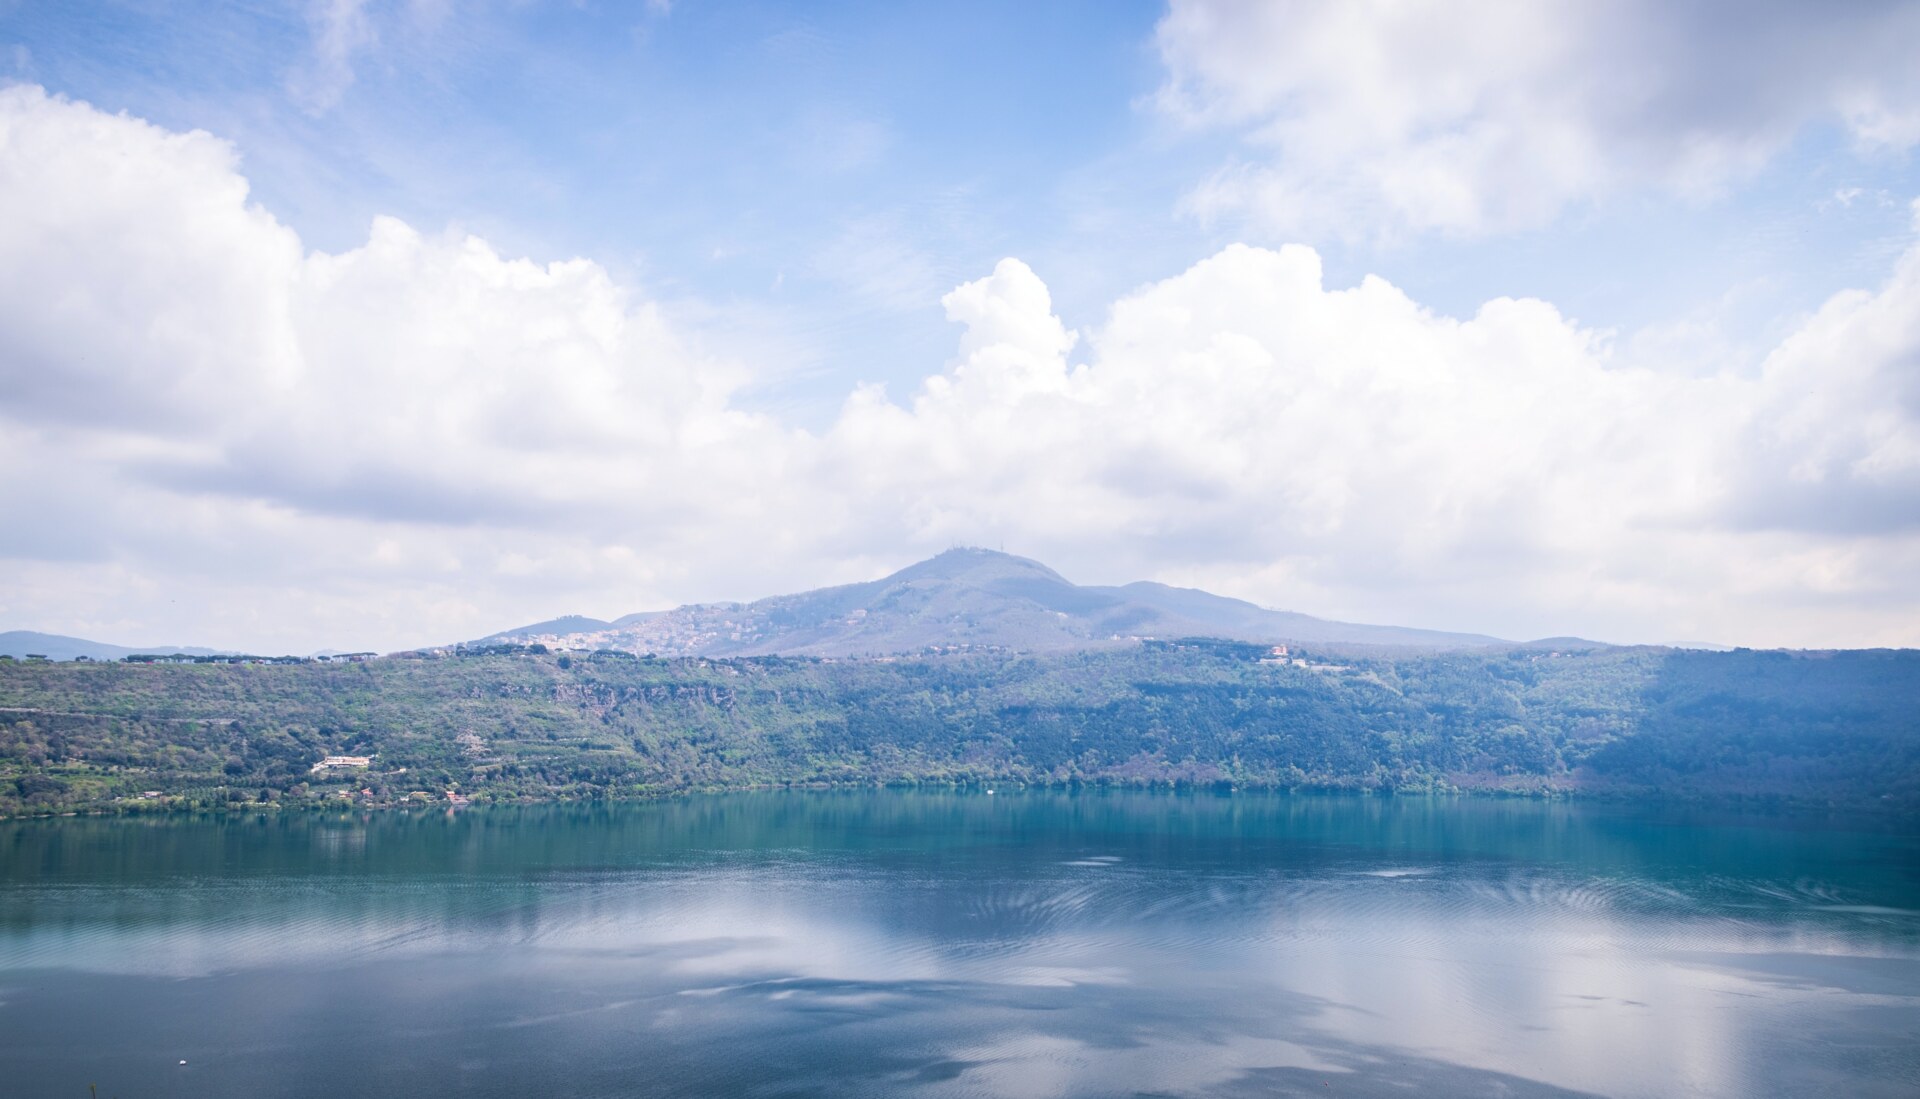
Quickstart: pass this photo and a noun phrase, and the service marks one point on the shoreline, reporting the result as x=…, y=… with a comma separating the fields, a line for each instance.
x=1760, y=804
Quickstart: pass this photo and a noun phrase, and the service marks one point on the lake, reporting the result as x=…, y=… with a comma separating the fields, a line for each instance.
x=1016, y=944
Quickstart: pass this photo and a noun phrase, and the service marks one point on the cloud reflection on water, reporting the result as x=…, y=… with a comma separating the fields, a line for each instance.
x=1262, y=954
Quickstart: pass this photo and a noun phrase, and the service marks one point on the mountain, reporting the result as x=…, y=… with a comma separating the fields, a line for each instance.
x=968, y=598
x=21, y=643
x=566, y=624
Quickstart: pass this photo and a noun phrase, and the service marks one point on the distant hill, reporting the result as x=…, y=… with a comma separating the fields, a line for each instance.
x=1566, y=644
x=965, y=598
x=22, y=643
x=566, y=624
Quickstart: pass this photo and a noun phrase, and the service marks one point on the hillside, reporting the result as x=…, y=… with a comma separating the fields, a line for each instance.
x=971, y=599
x=1822, y=728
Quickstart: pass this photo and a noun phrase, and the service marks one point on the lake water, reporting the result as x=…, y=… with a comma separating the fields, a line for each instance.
x=1020, y=944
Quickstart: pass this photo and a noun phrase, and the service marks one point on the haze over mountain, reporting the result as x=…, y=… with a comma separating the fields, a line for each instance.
x=974, y=598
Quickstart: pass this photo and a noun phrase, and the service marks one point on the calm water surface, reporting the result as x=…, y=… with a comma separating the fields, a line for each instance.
x=1032, y=944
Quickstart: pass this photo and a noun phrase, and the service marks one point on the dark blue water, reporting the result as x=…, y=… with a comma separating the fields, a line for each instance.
x=1021, y=945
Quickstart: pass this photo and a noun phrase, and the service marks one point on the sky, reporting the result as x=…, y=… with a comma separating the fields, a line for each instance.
x=366, y=325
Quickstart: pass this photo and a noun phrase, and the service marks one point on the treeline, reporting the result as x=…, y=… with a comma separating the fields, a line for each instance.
x=516, y=723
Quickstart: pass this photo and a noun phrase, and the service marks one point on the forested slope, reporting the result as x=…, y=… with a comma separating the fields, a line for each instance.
x=1817, y=727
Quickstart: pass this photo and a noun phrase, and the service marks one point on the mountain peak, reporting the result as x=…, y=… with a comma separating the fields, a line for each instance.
x=975, y=565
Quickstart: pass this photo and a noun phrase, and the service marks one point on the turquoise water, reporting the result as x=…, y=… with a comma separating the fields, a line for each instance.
x=1019, y=944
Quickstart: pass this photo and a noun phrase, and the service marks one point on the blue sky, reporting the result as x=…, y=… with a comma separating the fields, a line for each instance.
x=789, y=192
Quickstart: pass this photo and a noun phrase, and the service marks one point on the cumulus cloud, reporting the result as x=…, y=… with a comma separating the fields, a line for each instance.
x=1486, y=115
x=210, y=433
x=1241, y=419
x=172, y=354
x=1834, y=445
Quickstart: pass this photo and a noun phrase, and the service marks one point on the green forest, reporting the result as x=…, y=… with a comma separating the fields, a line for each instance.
x=510, y=723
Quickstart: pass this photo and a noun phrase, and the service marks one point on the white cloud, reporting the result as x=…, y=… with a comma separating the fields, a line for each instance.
x=1243, y=426
x=342, y=30
x=210, y=434
x=184, y=384
x=1835, y=444
x=1382, y=115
